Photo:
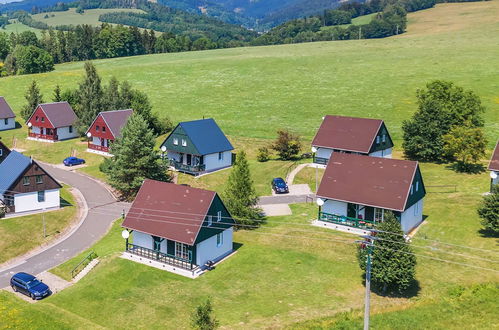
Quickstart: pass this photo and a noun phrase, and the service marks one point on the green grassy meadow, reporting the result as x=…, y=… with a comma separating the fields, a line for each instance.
x=71, y=17
x=17, y=27
x=23, y=234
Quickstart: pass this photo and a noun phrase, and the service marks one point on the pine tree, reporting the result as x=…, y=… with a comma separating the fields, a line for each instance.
x=57, y=94
x=202, y=318
x=240, y=196
x=112, y=96
x=134, y=159
x=90, y=96
x=33, y=98
x=489, y=211
x=393, y=265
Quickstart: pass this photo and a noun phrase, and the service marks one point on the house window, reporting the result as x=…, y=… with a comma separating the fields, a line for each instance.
x=26, y=180
x=103, y=128
x=220, y=239
x=6, y=121
x=1, y=152
x=210, y=220
x=417, y=185
x=41, y=196
x=384, y=138
x=181, y=251
x=97, y=128
x=219, y=216
x=43, y=119
x=220, y=156
x=175, y=141
x=378, y=214
x=9, y=200
x=377, y=139
x=416, y=209
x=184, y=143
x=70, y=129
x=39, y=179
x=36, y=118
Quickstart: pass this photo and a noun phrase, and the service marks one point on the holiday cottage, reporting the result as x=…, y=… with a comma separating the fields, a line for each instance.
x=197, y=147
x=51, y=122
x=106, y=128
x=362, y=136
x=494, y=167
x=357, y=190
x=178, y=228
x=26, y=186
x=7, y=116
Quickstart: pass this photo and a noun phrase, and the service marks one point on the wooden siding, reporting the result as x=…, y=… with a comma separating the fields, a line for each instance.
x=216, y=227
x=179, y=133
x=382, y=145
x=101, y=123
x=416, y=195
x=40, y=114
x=32, y=172
x=5, y=151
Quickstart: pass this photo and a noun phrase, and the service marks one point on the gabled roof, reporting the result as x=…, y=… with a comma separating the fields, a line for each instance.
x=372, y=181
x=494, y=161
x=170, y=211
x=11, y=168
x=115, y=120
x=206, y=136
x=60, y=114
x=347, y=133
x=5, y=109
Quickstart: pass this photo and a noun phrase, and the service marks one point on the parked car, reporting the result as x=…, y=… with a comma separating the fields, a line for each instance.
x=29, y=285
x=280, y=186
x=70, y=161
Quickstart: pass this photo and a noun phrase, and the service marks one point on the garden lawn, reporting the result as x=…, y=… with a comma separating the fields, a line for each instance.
x=71, y=17
x=22, y=234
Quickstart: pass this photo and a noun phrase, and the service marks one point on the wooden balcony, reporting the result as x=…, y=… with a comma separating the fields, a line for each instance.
x=98, y=147
x=193, y=169
x=320, y=160
x=43, y=136
x=161, y=257
x=346, y=221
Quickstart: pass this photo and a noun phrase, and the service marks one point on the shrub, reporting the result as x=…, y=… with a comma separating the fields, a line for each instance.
x=263, y=154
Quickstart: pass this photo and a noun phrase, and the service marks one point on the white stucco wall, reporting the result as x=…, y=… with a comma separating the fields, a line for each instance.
x=63, y=133
x=412, y=217
x=496, y=180
x=335, y=207
x=29, y=201
x=11, y=123
x=142, y=239
x=35, y=129
x=387, y=153
x=212, y=162
x=323, y=153
x=208, y=249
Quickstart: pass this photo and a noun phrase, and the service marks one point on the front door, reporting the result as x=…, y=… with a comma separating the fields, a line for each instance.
x=189, y=159
x=156, y=243
x=102, y=142
x=352, y=210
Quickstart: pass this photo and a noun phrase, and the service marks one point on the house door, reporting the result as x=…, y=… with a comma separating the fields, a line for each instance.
x=156, y=243
x=352, y=210
x=41, y=130
x=103, y=142
x=189, y=159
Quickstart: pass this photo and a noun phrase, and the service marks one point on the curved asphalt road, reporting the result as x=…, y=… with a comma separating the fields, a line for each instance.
x=103, y=209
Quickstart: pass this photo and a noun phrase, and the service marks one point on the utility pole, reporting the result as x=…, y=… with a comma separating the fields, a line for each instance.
x=43, y=220
x=316, y=177
x=368, y=242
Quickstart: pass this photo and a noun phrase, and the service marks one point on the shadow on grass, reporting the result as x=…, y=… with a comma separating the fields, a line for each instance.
x=17, y=125
x=64, y=203
x=411, y=292
x=466, y=168
x=236, y=246
x=488, y=233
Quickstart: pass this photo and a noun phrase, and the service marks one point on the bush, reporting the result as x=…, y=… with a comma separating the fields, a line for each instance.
x=489, y=211
x=287, y=144
x=263, y=154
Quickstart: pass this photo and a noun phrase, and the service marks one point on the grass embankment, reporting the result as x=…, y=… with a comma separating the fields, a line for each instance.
x=71, y=17
x=22, y=234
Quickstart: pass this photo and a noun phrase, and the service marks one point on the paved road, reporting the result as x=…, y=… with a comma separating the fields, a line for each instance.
x=285, y=199
x=102, y=210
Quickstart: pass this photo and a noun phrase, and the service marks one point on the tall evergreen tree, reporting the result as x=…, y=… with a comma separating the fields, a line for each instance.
x=202, y=318
x=33, y=98
x=489, y=211
x=112, y=97
x=134, y=159
x=57, y=94
x=240, y=196
x=393, y=264
x=90, y=96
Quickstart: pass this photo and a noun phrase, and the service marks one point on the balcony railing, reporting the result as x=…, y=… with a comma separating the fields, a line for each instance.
x=320, y=160
x=97, y=147
x=187, y=168
x=161, y=257
x=43, y=136
x=346, y=221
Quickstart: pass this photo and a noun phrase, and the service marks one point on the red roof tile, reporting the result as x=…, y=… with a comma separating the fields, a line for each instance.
x=371, y=181
x=115, y=120
x=5, y=109
x=347, y=133
x=60, y=114
x=170, y=211
x=494, y=161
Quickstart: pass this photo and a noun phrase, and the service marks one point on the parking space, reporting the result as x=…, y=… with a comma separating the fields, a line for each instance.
x=272, y=210
x=54, y=282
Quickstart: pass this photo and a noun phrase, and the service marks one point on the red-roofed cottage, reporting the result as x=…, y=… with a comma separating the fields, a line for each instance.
x=357, y=190
x=494, y=167
x=178, y=228
x=361, y=136
x=7, y=116
x=52, y=122
x=106, y=128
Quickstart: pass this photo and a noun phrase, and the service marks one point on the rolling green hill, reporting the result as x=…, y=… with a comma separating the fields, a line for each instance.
x=70, y=17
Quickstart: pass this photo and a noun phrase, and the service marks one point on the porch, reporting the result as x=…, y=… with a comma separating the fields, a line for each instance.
x=188, y=167
x=37, y=136
x=96, y=147
x=346, y=221
x=161, y=257
x=320, y=160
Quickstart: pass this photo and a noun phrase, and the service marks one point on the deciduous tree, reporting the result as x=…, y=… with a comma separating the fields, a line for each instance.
x=287, y=145
x=466, y=145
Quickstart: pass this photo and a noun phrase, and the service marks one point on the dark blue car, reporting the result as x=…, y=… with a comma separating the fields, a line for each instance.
x=29, y=285
x=280, y=186
x=70, y=161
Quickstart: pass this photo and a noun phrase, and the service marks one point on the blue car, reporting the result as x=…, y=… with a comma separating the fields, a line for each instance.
x=29, y=285
x=280, y=186
x=70, y=161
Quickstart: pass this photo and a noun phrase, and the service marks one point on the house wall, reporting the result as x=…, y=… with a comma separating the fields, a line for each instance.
x=386, y=153
x=173, y=155
x=29, y=201
x=335, y=207
x=212, y=162
x=11, y=123
x=323, y=153
x=99, y=121
x=64, y=134
x=208, y=249
x=412, y=217
x=40, y=114
x=35, y=129
x=496, y=180
x=143, y=239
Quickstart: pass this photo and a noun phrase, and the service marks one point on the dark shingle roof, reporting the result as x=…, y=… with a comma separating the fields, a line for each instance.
x=371, y=181
x=60, y=114
x=206, y=136
x=115, y=120
x=494, y=161
x=170, y=211
x=347, y=133
x=11, y=168
x=5, y=109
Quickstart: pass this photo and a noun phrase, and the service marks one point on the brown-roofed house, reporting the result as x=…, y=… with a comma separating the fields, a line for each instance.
x=51, y=122
x=494, y=167
x=356, y=190
x=362, y=136
x=106, y=128
x=7, y=116
x=178, y=228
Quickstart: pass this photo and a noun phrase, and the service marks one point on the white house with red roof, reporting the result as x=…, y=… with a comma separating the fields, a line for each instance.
x=494, y=166
x=177, y=228
x=106, y=128
x=7, y=116
x=357, y=190
x=51, y=122
x=361, y=136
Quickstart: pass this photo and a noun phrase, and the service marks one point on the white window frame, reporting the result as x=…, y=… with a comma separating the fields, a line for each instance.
x=41, y=196
x=412, y=189
x=175, y=141
x=220, y=239
x=377, y=139
x=383, y=138
x=210, y=220
x=184, y=143
x=26, y=181
x=181, y=250
x=219, y=216
x=376, y=216
x=417, y=185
